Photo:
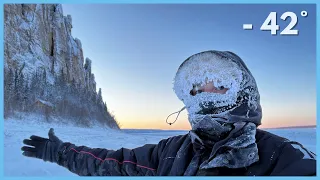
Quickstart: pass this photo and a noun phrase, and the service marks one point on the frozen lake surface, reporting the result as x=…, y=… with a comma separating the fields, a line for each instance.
x=15, y=131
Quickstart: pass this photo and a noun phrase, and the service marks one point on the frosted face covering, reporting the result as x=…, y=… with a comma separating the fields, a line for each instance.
x=241, y=101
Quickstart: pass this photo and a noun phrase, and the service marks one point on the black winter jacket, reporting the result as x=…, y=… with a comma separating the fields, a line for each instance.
x=172, y=156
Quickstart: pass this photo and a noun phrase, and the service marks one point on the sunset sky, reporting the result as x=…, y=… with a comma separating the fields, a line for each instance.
x=137, y=49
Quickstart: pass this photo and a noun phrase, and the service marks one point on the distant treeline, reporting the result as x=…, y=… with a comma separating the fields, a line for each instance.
x=31, y=92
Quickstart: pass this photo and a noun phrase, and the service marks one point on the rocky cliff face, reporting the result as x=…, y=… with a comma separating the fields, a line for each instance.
x=45, y=71
x=38, y=36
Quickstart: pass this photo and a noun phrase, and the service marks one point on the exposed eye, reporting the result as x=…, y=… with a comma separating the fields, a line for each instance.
x=194, y=92
x=220, y=88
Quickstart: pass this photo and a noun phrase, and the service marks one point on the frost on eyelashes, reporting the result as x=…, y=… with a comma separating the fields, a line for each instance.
x=224, y=71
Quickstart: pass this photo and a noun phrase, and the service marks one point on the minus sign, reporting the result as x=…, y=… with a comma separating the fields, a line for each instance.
x=247, y=26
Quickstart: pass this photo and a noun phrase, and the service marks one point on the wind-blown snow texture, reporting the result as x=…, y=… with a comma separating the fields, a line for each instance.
x=16, y=130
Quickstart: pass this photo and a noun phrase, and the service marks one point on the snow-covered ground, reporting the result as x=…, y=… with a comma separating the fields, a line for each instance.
x=16, y=130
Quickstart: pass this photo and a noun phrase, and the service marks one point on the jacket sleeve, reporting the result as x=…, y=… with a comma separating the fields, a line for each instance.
x=86, y=161
x=291, y=162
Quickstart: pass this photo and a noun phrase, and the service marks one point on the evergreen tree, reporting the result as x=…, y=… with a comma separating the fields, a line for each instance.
x=26, y=97
x=99, y=97
x=8, y=91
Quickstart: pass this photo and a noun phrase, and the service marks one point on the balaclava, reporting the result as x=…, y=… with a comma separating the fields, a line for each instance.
x=231, y=118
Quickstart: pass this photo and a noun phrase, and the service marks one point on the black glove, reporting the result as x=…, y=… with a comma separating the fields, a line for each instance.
x=43, y=148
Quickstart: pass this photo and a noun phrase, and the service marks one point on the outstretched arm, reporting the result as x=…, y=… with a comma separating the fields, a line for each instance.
x=103, y=162
x=87, y=161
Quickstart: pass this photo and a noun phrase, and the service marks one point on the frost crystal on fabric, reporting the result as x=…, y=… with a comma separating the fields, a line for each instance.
x=224, y=69
x=230, y=118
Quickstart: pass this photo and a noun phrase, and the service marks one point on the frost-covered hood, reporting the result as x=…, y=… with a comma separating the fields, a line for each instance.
x=219, y=120
x=241, y=102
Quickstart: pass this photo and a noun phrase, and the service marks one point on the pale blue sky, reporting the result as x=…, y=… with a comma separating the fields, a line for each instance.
x=136, y=50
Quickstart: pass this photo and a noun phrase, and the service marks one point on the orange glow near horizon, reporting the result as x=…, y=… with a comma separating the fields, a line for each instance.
x=149, y=111
x=183, y=124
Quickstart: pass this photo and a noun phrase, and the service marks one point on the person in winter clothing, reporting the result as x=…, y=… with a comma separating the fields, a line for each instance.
x=223, y=104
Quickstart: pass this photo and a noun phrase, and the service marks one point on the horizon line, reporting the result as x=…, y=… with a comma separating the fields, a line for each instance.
x=282, y=127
